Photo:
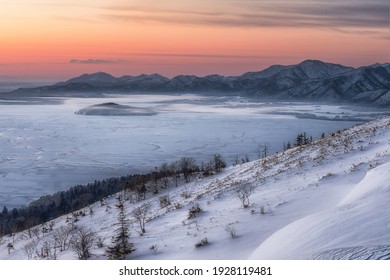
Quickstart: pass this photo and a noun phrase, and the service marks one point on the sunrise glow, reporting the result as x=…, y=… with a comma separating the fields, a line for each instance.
x=54, y=40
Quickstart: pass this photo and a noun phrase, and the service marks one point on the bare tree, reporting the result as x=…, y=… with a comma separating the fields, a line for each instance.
x=207, y=168
x=46, y=251
x=15, y=227
x=229, y=228
x=154, y=181
x=62, y=236
x=30, y=248
x=187, y=166
x=36, y=231
x=82, y=242
x=140, y=213
x=140, y=191
x=29, y=223
x=219, y=163
x=243, y=192
x=164, y=173
x=263, y=150
x=1, y=225
x=174, y=172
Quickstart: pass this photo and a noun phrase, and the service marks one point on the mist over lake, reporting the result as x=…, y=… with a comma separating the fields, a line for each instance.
x=46, y=147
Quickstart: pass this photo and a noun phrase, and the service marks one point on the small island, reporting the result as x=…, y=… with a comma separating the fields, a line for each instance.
x=114, y=109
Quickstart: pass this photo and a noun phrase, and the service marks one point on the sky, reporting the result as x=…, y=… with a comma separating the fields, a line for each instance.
x=52, y=40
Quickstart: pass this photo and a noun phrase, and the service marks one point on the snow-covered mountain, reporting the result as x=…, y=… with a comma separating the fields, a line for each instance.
x=310, y=80
x=96, y=79
x=141, y=82
x=324, y=200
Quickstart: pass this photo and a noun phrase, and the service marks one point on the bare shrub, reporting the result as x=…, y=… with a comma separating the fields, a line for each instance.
x=202, y=243
x=99, y=242
x=262, y=210
x=194, y=211
x=243, y=192
x=231, y=230
x=154, y=248
x=164, y=201
x=185, y=194
x=178, y=205
x=141, y=213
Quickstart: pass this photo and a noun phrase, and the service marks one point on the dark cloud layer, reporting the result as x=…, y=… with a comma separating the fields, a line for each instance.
x=309, y=13
x=95, y=61
x=205, y=56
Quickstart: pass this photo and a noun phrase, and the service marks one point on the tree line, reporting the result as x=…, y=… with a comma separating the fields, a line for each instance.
x=77, y=197
x=49, y=207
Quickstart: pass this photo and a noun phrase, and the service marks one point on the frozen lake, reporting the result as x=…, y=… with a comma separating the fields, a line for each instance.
x=46, y=147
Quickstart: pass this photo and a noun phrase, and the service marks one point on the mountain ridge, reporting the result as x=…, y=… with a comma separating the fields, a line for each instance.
x=310, y=80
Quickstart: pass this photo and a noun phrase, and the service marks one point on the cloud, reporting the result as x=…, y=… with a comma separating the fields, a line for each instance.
x=261, y=14
x=337, y=14
x=206, y=56
x=96, y=61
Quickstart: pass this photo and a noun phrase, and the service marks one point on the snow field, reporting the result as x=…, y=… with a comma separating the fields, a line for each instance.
x=325, y=200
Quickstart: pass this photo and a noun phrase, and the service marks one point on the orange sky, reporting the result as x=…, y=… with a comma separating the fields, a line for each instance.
x=58, y=39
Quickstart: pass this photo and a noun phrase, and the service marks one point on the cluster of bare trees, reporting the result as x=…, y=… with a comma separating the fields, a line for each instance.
x=45, y=242
x=78, y=239
x=52, y=206
x=187, y=167
x=169, y=174
x=81, y=240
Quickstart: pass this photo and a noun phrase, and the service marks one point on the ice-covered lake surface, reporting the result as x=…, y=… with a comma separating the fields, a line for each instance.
x=45, y=147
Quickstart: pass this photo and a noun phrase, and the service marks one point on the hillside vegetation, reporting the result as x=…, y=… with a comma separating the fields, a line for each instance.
x=324, y=200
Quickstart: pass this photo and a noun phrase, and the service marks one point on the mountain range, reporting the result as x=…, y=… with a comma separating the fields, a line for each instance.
x=310, y=80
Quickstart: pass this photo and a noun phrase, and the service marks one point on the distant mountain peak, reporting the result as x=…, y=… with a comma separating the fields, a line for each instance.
x=96, y=75
x=316, y=69
x=319, y=63
x=94, y=78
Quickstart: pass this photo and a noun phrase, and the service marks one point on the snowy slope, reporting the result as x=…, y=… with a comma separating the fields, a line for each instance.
x=323, y=201
x=360, y=222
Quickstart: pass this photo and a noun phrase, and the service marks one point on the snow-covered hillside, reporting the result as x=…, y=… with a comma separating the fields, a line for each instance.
x=326, y=200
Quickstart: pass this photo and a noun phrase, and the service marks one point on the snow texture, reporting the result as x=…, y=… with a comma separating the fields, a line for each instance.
x=326, y=200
